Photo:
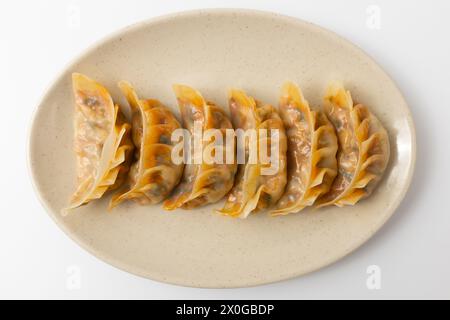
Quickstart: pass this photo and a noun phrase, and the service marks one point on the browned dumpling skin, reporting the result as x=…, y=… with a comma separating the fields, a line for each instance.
x=312, y=146
x=202, y=183
x=253, y=190
x=363, y=148
x=102, y=142
x=153, y=174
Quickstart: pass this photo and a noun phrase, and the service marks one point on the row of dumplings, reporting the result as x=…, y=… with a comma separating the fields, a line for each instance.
x=334, y=156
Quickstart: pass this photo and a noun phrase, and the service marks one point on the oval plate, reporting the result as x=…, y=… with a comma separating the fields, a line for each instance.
x=214, y=50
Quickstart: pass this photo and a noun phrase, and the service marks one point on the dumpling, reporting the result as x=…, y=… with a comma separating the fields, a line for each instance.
x=153, y=175
x=102, y=142
x=312, y=146
x=255, y=189
x=363, y=148
x=203, y=182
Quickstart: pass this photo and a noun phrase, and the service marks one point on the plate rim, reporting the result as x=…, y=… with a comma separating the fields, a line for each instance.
x=116, y=263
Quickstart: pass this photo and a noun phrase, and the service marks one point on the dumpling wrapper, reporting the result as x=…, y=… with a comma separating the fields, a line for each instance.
x=254, y=191
x=202, y=183
x=312, y=147
x=153, y=175
x=102, y=142
x=363, y=148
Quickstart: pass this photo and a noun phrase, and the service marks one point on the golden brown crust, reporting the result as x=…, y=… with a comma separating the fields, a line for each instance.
x=364, y=149
x=253, y=190
x=202, y=183
x=311, y=153
x=102, y=142
x=153, y=175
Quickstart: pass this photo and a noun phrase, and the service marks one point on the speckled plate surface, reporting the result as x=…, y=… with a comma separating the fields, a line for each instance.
x=214, y=50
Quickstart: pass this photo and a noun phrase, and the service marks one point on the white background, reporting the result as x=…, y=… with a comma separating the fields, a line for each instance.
x=38, y=38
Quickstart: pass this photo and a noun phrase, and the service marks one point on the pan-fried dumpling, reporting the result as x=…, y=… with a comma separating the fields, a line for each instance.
x=153, y=175
x=312, y=146
x=363, y=148
x=254, y=190
x=102, y=142
x=203, y=182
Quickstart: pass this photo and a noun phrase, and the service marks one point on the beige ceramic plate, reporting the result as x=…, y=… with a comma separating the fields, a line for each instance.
x=213, y=50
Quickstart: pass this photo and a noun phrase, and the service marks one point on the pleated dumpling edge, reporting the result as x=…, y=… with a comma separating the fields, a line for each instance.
x=202, y=183
x=363, y=148
x=102, y=142
x=253, y=190
x=312, y=147
x=153, y=174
